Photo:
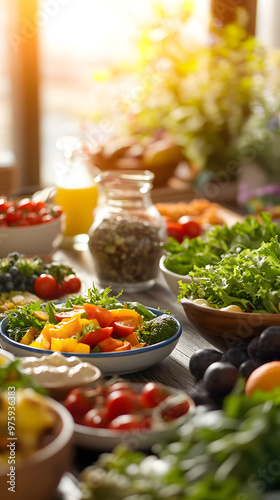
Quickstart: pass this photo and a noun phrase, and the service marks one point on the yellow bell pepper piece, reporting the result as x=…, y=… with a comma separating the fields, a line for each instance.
x=66, y=329
x=69, y=345
x=86, y=322
x=120, y=314
x=56, y=344
x=41, y=342
x=82, y=348
x=29, y=336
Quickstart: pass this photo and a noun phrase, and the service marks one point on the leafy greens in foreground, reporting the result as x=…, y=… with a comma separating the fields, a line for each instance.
x=218, y=242
x=222, y=454
x=250, y=279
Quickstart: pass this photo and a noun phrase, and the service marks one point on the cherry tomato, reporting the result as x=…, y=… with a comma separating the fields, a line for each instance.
x=5, y=204
x=125, y=327
x=121, y=402
x=175, y=230
x=26, y=204
x=96, y=417
x=152, y=395
x=13, y=216
x=72, y=284
x=191, y=228
x=33, y=218
x=40, y=205
x=77, y=404
x=130, y=422
x=176, y=410
x=45, y=286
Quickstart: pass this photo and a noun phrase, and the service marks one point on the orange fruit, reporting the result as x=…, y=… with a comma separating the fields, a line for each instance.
x=266, y=377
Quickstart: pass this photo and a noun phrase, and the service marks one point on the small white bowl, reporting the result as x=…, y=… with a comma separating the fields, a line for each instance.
x=108, y=439
x=110, y=363
x=58, y=373
x=38, y=239
x=171, y=278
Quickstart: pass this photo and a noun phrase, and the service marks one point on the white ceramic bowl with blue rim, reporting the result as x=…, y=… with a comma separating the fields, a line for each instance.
x=109, y=363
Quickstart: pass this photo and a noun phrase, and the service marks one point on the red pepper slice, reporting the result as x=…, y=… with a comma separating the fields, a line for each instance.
x=93, y=337
x=103, y=316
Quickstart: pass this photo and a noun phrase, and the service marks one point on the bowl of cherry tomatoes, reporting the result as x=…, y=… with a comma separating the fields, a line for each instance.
x=30, y=227
x=136, y=415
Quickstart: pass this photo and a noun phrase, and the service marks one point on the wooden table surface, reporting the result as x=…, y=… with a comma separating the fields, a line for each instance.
x=173, y=370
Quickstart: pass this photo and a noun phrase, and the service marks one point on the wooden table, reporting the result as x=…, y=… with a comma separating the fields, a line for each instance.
x=173, y=370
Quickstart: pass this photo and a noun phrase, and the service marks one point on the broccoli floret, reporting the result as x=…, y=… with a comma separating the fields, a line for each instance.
x=158, y=329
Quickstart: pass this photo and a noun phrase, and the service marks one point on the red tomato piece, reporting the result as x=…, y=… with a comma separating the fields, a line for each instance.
x=121, y=402
x=175, y=230
x=5, y=204
x=191, y=229
x=96, y=417
x=59, y=316
x=125, y=327
x=176, y=410
x=72, y=284
x=110, y=344
x=103, y=316
x=93, y=337
x=152, y=395
x=26, y=204
x=13, y=216
x=33, y=218
x=40, y=205
x=45, y=286
x=77, y=404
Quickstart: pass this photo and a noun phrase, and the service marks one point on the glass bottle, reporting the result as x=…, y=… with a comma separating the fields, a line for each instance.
x=127, y=234
x=76, y=190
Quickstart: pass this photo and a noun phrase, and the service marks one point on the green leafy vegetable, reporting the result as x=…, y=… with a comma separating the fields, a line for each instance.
x=250, y=279
x=21, y=319
x=11, y=375
x=218, y=242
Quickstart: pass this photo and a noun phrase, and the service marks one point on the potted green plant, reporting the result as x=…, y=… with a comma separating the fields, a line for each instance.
x=202, y=95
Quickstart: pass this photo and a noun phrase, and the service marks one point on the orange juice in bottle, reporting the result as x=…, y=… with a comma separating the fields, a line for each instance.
x=76, y=191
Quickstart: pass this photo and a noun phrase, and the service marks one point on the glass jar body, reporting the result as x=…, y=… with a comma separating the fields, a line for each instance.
x=127, y=234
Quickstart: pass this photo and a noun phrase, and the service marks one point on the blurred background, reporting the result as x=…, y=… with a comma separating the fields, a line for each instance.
x=200, y=79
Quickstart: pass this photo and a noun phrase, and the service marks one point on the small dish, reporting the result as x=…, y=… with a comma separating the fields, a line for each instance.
x=224, y=329
x=171, y=278
x=38, y=239
x=59, y=374
x=37, y=476
x=110, y=363
x=106, y=439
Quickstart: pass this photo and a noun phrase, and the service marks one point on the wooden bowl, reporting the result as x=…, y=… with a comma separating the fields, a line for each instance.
x=38, y=475
x=224, y=329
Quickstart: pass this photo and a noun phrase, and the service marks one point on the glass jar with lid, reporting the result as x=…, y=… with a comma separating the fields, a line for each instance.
x=128, y=232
